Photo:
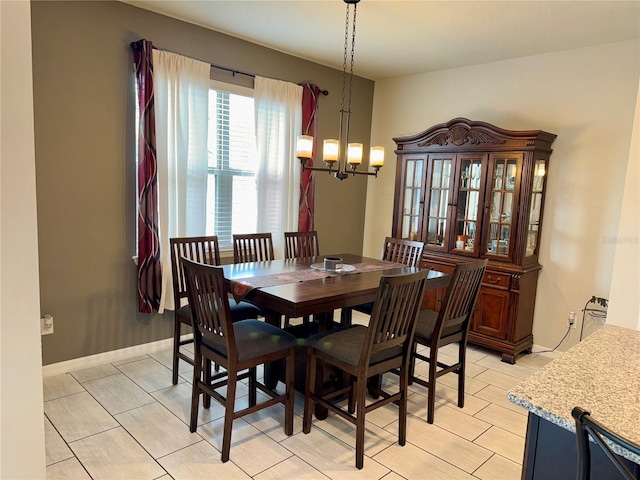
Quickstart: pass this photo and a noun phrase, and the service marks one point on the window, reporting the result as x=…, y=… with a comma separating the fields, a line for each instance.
x=233, y=163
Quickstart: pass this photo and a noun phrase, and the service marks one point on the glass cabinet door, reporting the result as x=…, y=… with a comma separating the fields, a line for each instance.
x=438, y=201
x=411, y=202
x=501, y=205
x=539, y=171
x=468, y=201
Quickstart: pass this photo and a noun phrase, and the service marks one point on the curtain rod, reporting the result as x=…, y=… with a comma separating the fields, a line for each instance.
x=136, y=46
x=252, y=75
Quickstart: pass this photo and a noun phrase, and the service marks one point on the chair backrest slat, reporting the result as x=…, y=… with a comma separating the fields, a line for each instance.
x=301, y=244
x=394, y=314
x=403, y=251
x=200, y=249
x=460, y=298
x=252, y=247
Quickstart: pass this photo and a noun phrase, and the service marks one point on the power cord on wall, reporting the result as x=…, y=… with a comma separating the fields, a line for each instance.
x=594, y=312
x=559, y=343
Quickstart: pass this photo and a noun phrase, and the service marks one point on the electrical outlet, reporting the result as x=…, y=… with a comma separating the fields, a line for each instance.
x=571, y=319
x=46, y=325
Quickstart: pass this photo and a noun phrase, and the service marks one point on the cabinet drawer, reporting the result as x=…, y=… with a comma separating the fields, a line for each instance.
x=496, y=279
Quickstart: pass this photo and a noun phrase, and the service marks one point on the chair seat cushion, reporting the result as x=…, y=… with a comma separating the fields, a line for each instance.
x=243, y=310
x=239, y=311
x=364, y=308
x=426, y=324
x=346, y=344
x=254, y=338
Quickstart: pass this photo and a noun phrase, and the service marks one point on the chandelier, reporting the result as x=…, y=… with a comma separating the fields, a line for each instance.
x=337, y=154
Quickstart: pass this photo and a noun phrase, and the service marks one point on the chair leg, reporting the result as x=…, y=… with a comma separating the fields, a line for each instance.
x=228, y=414
x=412, y=362
x=195, y=392
x=461, y=374
x=290, y=393
x=252, y=386
x=206, y=398
x=309, y=390
x=351, y=407
x=402, y=406
x=176, y=349
x=360, y=401
x=431, y=400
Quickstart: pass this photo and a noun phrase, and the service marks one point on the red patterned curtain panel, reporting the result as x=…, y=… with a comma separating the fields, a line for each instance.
x=149, y=270
x=310, y=95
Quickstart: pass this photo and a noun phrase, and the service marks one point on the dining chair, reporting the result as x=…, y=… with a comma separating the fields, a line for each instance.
x=363, y=352
x=300, y=245
x=252, y=247
x=406, y=252
x=449, y=325
x=236, y=346
x=603, y=437
x=202, y=250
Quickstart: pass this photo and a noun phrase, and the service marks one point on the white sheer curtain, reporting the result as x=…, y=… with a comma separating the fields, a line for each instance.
x=278, y=107
x=181, y=110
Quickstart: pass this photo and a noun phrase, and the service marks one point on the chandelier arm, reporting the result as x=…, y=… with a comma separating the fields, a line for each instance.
x=359, y=172
x=319, y=169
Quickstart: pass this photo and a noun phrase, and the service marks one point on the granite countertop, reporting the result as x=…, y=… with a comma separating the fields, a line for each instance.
x=601, y=374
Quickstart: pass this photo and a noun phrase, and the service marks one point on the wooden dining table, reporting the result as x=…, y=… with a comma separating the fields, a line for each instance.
x=291, y=287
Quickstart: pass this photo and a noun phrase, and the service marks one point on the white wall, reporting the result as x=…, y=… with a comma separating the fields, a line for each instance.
x=587, y=97
x=625, y=285
x=21, y=409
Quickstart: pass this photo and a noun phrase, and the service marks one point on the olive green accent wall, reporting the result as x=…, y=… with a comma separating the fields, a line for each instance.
x=85, y=174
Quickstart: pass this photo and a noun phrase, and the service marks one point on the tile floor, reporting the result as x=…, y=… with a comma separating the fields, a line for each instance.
x=126, y=420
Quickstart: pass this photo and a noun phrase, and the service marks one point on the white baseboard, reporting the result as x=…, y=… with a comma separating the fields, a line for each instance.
x=147, y=348
x=106, y=357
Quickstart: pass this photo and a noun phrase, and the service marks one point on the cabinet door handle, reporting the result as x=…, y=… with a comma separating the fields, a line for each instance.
x=490, y=279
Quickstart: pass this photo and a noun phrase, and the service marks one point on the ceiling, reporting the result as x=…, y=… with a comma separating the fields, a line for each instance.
x=398, y=38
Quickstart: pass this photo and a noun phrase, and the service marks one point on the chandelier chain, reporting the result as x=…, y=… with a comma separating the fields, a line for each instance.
x=353, y=48
x=344, y=58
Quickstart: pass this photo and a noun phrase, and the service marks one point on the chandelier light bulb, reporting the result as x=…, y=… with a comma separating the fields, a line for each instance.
x=354, y=154
x=330, y=150
x=304, y=146
x=376, y=157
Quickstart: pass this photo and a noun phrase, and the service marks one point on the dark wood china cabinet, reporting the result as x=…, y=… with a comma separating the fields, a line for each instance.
x=468, y=189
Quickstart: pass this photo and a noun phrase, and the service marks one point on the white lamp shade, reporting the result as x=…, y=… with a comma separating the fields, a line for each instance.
x=354, y=153
x=330, y=150
x=376, y=157
x=304, y=146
